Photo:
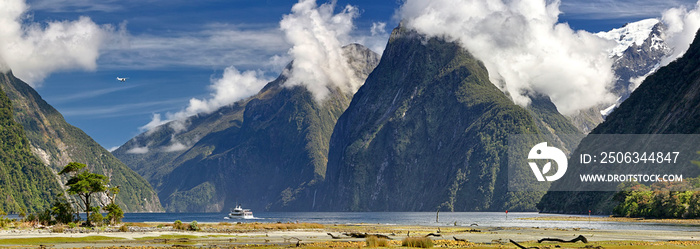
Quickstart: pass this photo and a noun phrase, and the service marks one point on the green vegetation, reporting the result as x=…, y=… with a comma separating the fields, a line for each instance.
x=178, y=225
x=114, y=213
x=84, y=184
x=55, y=142
x=62, y=211
x=658, y=201
x=421, y=242
x=194, y=226
x=4, y=221
x=25, y=183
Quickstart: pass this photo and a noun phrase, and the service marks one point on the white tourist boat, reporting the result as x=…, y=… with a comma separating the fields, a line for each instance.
x=239, y=212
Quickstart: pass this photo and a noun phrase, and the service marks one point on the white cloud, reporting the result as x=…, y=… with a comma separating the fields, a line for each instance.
x=77, y=5
x=317, y=35
x=523, y=47
x=33, y=51
x=112, y=149
x=175, y=146
x=138, y=150
x=231, y=87
x=155, y=122
x=607, y=9
x=682, y=25
x=121, y=109
x=216, y=45
x=88, y=94
x=377, y=38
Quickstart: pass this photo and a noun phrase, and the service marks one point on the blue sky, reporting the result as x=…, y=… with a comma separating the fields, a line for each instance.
x=175, y=49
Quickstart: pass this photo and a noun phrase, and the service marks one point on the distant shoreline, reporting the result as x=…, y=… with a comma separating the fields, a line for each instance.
x=616, y=219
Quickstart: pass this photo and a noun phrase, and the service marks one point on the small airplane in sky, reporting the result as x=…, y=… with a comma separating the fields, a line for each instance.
x=122, y=79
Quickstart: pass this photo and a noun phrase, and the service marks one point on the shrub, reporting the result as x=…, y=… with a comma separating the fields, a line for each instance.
x=95, y=218
x=57, y=229
x=194, y=226
x=421, y=242
x=373, y=241
x=3, y=221
x=178, y=225
x=62, y=211
x=124, y=228
x=72, y=225
x=114, y=213
x=45, y=218
x=31, y=218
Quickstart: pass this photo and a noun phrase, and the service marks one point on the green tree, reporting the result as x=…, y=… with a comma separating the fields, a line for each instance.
x=114, y=212
x=84, y=184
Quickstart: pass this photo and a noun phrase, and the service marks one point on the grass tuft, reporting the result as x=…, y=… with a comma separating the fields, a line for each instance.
x=421, y=242
x=373, y=241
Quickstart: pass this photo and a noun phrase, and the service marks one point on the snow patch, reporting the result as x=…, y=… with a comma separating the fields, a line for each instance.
x=631, y=34
x=605, y=112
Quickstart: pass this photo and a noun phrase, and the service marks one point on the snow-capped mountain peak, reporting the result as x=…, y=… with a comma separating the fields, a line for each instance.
x=631, y=34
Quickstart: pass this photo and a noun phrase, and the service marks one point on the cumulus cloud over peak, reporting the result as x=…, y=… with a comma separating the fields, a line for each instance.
x=33, y=51
x=682, y=25
x=523, y=46
x=317, y=35
x=231, y=87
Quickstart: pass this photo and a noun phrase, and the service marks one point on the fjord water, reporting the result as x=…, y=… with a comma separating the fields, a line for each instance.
x=463, y=219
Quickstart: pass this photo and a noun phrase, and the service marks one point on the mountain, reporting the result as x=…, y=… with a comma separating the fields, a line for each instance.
x=25, y=183
x=428, y=130
x=639, y=51
x=57, y=143
x=667, y=102
x=264, y=152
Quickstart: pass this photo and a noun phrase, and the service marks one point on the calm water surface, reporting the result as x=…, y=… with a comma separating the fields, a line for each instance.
x=465, y=219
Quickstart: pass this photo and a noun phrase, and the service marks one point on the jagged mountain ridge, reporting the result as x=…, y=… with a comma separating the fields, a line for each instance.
x=263, y=152
x=57, y=143
x=667, y=102
x=428, y=131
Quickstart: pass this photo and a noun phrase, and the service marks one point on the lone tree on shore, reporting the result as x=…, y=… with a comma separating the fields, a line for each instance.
x=84, y=184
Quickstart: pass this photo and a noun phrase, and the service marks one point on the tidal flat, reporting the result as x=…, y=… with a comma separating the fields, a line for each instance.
x=312, y=235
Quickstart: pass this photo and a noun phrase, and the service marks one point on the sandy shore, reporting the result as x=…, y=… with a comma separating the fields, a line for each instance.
x=318, y=237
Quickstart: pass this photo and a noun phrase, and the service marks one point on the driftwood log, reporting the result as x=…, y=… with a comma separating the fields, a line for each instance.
x=577, y=239
x=434, y=235
x=333, y=236
x=462, y=240
x=365, y=235
x=521, y=246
